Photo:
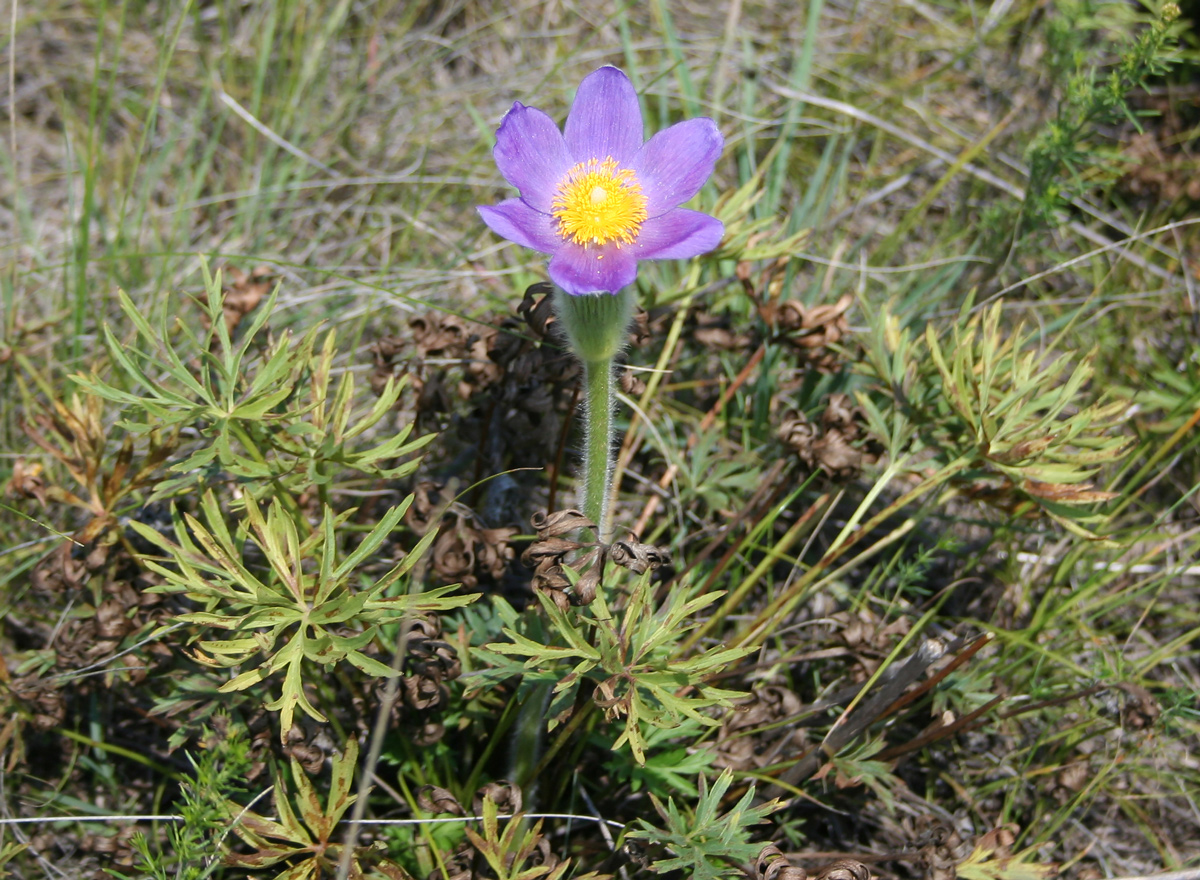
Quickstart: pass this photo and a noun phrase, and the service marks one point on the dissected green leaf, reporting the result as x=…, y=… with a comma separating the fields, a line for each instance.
x=298, y=615
x=707, y=844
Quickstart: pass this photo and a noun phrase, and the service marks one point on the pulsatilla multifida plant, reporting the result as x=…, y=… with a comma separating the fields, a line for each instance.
x=702, y=843
x=74, y=433
x=304, y=607
x=623, y=654
x=513, y=852
x=305, y=845
x=1002, y=419
x=264, y=411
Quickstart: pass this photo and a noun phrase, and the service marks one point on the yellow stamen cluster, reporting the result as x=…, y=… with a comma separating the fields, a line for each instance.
x=598, y=202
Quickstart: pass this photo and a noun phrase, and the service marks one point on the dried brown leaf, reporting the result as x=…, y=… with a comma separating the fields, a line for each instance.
x=505, y=795
x=433, y=799
x=772, y=864
x=638, y=558
x=559, y=523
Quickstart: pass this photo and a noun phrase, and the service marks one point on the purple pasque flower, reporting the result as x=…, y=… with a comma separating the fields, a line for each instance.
x=594, y=196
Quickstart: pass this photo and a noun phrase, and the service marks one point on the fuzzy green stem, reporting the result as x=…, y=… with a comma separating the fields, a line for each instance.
x=598, y=405
x=595, y=326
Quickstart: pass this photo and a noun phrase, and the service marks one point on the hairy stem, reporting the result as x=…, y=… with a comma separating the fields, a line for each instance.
x=598, y=442
x=595, y=327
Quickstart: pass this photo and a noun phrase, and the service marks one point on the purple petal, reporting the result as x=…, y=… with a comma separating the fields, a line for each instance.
x=605, y=119
x=516, y=221
x=531, y=154
x=579, y=270
x=677, y=235
x=673, y=165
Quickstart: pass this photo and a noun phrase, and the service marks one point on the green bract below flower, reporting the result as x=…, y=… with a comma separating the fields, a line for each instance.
x=594, y=196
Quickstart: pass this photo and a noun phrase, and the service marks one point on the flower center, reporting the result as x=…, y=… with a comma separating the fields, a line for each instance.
x=597, y=202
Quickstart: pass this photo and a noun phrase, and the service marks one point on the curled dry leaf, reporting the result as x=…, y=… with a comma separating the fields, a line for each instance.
x=868, y=637
x=429, y=733
x=800, y=434
x=426, y=505
x=772, y=864
x=449, y=337
x=543, y=856
x=813, y=326
x=716, y=331
x=86, y=640
x=527, y=362
x=839, y=446
x=457, y=866
x=429, y=664
x=834, y=455
x=464, y=553
x=453, y=555
x=941, y=847
x=433, y=799
x=428, y=655
x=26, y=481
x=43, y=700
x=505, y=795
x=306, y=748
x=548, y=554
x=537, y=308
x=439, y=335
x=559, y=523
x=550, y=578
x=423, y=692
x=584, y=591
x=947, y=856
x=384, y=352
x=631, y=383
x=845, y=869
x=112, y=622
x=519, y=381
x=766, y=705
x=844, y=416
x=810, y=329
x=638, y=558
x=551, y=548
x=639, y=328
